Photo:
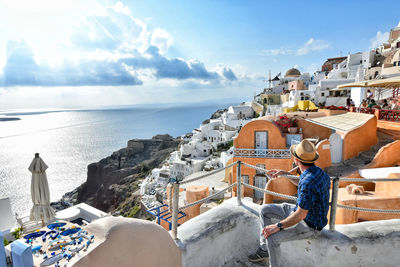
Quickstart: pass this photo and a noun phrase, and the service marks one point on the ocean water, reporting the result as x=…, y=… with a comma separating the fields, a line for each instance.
x=70, y=140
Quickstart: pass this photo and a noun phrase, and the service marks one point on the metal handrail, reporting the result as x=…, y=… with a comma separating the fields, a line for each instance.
x=269, y=192
x=347, y=179
x=206, y=198
x=174, y=203
x=208, y=174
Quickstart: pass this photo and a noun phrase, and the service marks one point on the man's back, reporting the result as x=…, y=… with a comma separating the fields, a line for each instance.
x=313, y=195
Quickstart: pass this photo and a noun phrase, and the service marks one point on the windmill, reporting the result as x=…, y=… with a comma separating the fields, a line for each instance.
x=270, y=80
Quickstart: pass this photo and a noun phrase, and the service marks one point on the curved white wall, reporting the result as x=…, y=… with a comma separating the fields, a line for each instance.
x=226, y=234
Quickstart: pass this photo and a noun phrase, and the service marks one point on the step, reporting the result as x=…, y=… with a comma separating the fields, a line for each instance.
x=368, y=155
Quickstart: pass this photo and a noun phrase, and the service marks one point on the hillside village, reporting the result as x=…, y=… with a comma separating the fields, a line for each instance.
x=211, y=181
x=294, y=106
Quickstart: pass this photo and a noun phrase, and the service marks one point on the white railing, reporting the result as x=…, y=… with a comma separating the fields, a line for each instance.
x=262, y=153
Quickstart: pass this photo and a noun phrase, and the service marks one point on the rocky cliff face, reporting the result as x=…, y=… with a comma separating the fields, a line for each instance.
x=112, y=183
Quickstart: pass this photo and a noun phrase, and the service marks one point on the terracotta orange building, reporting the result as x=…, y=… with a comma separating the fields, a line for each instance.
x=260, y=143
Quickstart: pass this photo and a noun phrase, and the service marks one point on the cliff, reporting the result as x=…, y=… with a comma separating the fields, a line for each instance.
x=112, y=183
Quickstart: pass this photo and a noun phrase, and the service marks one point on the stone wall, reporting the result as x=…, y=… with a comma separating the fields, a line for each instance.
x=227, y=234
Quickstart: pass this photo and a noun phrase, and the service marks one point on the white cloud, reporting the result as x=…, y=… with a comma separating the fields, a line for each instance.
x=109, y=48
x=161, y=39
x=277, y=51
x=379, y=39
x=312, y=45
x=312, y=68
x=398, y=25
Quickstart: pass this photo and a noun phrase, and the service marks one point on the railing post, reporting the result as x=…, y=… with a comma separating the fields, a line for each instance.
x=175, y=211
x=335, y=192
x=239, y=183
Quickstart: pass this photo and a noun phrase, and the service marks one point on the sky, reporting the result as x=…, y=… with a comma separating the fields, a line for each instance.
x=83, y=54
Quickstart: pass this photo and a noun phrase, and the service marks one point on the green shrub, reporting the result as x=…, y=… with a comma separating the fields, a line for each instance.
x=134, y=210
x=225, y=146
x=17, y=233
x=6, y=242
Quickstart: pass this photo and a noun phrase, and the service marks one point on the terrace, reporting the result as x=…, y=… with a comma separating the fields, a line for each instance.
x=262, y=153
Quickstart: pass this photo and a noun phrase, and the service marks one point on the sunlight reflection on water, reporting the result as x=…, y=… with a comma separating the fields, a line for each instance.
x=69, y=141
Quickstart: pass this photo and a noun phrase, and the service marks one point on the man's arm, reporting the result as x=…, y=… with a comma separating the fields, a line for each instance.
x=276, y=173
x=294, y=218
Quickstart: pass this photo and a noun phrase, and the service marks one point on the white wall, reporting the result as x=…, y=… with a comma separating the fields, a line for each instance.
x=228, y=233
x=336, y=101
x=220, y=236
x=358, y=94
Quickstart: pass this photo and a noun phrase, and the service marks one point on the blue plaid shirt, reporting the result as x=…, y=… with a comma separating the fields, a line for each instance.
x=313, y=195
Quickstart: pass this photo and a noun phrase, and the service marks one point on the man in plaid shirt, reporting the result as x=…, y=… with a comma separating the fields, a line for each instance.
x=305, y=219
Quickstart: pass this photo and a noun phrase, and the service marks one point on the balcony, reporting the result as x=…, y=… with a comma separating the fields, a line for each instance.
x=262, y=153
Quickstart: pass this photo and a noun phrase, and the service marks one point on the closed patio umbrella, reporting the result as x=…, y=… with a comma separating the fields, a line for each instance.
x=40, y=192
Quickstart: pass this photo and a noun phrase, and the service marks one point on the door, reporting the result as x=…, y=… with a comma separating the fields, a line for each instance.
x=261, y=140
x=336, y=147
x=260, y=182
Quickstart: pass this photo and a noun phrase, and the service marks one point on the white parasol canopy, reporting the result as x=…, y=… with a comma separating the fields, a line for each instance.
x=40, y=192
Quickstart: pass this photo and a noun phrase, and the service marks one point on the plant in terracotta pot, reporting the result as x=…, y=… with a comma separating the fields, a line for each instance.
x=287, y=124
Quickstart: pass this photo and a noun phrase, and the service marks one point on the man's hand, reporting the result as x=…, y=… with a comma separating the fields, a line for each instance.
x=270, y=229
x=275, y=173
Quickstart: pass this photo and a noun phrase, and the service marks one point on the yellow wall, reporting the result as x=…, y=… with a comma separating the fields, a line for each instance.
x=329, y=112
x=246, y=137
x=360, y=139
x=387, y=156
x=311, y=129
x=390, y=188
x=270, y=99
x=373, y=200
x=324, y=151
x=231, y=174
x=194, y=193
x=282, y=186
x=390, y=128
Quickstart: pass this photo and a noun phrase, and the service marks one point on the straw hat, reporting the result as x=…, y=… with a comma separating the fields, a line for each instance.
x=305, y=151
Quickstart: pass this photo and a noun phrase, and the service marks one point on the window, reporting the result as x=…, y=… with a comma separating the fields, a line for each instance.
x=322, y=94
x=260, y=166
x=245, y=179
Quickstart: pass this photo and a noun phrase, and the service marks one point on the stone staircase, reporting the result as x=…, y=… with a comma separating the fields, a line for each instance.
x=352, y=165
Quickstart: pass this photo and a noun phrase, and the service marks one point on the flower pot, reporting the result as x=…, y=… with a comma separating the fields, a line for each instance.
x=292, y=130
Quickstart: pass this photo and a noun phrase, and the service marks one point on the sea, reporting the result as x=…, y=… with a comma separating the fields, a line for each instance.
x=69, y=140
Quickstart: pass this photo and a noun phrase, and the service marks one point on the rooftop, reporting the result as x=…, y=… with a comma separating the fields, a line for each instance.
x=343, y=122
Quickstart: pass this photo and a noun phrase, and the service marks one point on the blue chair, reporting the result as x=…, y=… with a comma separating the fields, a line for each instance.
x=2, y=251
x=21, y=254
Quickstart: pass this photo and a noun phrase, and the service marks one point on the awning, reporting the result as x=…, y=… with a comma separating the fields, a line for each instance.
x=338, y=89
x=358, y=84
x=386, y=83
x=382, y=83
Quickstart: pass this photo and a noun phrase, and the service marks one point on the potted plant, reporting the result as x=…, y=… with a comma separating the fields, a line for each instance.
x=287, y=124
